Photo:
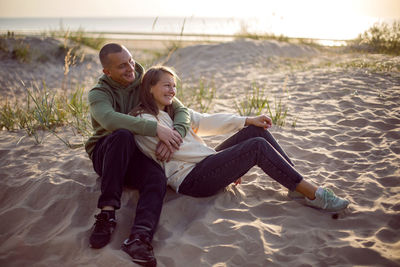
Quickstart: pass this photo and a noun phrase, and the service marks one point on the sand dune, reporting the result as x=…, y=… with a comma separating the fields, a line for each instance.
x=346, y=136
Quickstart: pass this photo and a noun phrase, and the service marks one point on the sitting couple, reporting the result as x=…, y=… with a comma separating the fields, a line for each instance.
x=146, y=139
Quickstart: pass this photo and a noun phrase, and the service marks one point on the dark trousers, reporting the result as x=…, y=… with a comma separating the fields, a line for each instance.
x=236, y=156
x=118, y=161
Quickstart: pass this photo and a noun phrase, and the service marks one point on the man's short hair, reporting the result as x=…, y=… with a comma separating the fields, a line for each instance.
x=106, y=50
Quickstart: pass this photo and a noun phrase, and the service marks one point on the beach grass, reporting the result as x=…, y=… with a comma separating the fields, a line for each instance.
x=257, y=102
x=44, y=110
x=79, y=37
x=244, y=32
x=380, y=38
x=21, y=52
x=199, y=98
x=372, y=65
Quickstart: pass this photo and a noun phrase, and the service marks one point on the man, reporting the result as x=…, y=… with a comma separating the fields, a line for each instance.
x=118, y=161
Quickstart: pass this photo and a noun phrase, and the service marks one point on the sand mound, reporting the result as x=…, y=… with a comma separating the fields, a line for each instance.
x=194, y=61
x=346, y=137
x=28, y=62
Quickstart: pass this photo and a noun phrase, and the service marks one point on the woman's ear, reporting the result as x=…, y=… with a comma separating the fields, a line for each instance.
x=151, y=90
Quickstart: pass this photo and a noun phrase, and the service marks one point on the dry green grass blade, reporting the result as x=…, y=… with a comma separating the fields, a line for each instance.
x=257, y=103
x=200, y=97
x=44, y=111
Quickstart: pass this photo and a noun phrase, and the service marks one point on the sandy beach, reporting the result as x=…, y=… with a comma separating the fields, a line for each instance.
x=342, y=131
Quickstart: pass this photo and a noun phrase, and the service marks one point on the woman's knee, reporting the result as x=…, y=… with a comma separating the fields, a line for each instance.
x=256, y=131
x=258, y=141
x=258, y=144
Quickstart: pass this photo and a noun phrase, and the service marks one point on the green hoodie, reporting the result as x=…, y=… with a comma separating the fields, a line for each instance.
x=110, y=102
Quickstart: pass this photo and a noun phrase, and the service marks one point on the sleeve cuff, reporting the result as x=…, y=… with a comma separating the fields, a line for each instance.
x=181, y=130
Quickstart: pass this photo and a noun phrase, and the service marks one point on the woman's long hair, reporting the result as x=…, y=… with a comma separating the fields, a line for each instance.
x=147, y=103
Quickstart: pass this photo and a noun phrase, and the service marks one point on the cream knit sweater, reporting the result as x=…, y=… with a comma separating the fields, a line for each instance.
x=193, y=149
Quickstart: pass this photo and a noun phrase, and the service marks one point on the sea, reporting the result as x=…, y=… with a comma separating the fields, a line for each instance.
x=187, y=28
x=130, y=25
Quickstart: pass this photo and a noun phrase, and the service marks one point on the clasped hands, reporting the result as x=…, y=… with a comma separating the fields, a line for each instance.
x=170, y=140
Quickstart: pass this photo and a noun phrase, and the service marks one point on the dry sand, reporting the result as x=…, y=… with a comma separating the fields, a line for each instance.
x=346, y=137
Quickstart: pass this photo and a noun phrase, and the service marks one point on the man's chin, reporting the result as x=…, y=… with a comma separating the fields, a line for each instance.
x=129, y=81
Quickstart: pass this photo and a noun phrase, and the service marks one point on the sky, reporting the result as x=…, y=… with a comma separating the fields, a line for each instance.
x=203, y=8
x=293, y=17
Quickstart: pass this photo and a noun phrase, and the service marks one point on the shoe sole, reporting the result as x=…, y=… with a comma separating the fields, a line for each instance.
x=145, y=263
x=335, y=214
x=139, y=261
x=98, y=247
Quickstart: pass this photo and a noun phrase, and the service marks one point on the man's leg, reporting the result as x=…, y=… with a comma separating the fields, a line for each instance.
x=112, y=159
x=151, y=182
x=149, y=178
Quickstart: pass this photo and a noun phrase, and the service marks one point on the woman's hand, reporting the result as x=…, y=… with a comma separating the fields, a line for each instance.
x=259, y=121
x=170, y=142
x=163, y=153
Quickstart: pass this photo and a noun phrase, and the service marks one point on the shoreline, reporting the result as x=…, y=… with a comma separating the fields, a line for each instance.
x=188, y=37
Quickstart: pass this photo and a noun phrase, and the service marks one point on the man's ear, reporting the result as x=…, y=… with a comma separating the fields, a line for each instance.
x=106, y=71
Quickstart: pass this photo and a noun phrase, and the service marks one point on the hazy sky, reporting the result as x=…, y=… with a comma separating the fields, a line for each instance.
x=208, y=8
x=329, y=19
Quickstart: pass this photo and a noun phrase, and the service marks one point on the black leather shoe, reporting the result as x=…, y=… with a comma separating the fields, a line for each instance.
x=140, y=249
x=103, y=228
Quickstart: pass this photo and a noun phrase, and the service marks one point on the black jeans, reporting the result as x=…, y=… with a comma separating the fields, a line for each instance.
x=249, y=147
x=119, y=163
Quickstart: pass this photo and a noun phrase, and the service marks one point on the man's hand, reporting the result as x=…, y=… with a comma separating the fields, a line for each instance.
x=171, y=140
x=259, y=121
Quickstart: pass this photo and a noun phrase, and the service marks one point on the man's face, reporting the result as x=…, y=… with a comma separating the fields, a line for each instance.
x=120, y=67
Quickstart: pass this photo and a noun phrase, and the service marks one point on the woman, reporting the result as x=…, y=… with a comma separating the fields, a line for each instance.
x=198, y=170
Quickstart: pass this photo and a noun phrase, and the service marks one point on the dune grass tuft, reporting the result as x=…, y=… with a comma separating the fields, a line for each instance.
x=257, y=103
x=244, y=32
x=79, y=37
x=21, y=52
x=42, y=110
x=199, y=98
x=380, y=38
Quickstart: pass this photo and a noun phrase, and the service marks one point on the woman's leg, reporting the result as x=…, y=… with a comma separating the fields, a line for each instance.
x=250, y=132
x=219, y=170
x=305, y=188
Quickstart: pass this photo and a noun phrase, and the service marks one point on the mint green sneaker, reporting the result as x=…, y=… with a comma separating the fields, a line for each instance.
x=295, y=195
x=327, y=200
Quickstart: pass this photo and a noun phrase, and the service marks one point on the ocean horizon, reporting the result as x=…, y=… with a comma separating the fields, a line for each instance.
x=148, y=25
x=130, y=26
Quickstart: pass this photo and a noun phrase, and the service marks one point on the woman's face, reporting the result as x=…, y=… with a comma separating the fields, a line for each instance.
x=164, y=91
